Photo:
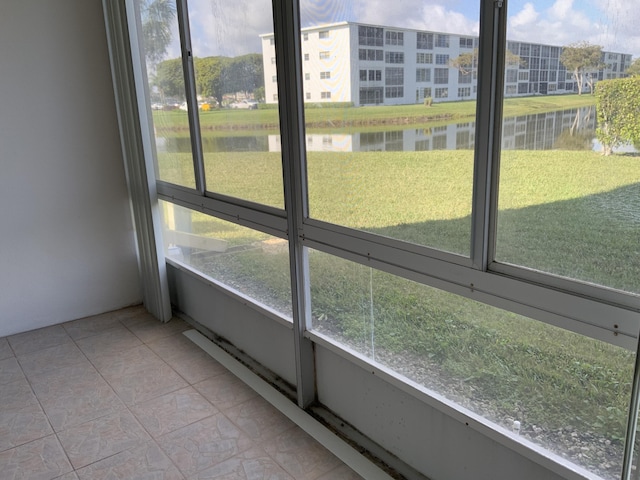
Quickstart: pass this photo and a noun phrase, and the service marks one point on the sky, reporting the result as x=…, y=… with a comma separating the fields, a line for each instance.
x=221, y=27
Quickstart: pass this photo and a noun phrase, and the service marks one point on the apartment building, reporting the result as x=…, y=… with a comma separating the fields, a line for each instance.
x=372, y=64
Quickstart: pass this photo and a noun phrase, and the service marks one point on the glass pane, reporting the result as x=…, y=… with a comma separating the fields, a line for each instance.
x=565, y=392
x=390, y=117
x=160, y=41
x=238, y=129
x=250, y=262
x=564, y=208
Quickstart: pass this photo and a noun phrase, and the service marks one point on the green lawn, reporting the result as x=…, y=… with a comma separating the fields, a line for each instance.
x=175, y=121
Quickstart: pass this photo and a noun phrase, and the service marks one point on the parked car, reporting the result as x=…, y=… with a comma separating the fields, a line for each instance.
x=250, y=104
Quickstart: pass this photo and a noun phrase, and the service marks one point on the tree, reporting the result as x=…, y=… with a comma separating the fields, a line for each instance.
x=156, y=17
x=634, y=69
x=211, y=77
x=466, y=63
x=618, y=106
x=169, y=78
x=582, y=58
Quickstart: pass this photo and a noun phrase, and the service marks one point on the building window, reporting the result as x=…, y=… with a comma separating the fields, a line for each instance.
x=323, y=34
x=363, y=75
x=325, y=55
x=423, y=74
x=512, y=76
x=441, y=76
x=442, y=59
x=442, y=92
x=375, y=75
x=371, y=36
x=394, y=57
x=325, y=75
x=325, y=95
x=466, y=42
x=306, y=57
x=523, y=76
x=464, y=77
x=308, y=95
x=275, y=97
x=464, y=92
x=394, y=38
x=307, y=76
x=523, y=87
x=274, y=78
x=372, y=95
x=273, y=60
x=272, y=41
x=394, y=76
x=424, y=58
x=424, y=41
x=394, y=92
x=305, y=36
x=442, y=41
x=370, y=55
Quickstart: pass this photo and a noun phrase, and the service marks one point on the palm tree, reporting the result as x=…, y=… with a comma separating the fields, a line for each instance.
x=156, y=17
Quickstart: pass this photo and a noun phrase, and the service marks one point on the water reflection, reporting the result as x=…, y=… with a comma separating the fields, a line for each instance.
x=572, y=129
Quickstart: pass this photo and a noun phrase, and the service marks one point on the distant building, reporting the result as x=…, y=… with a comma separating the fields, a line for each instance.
x=371, y=64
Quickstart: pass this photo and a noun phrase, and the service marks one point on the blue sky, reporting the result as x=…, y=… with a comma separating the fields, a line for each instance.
x=227, y=28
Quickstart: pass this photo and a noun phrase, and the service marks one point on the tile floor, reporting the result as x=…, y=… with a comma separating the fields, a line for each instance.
x=123, y=396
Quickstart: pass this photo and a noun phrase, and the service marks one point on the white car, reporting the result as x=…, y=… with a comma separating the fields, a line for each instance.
x=249, y=104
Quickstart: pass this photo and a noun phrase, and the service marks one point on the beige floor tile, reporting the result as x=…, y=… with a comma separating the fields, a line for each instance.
x=22, y=425
x=148, y=329
x=52, y=358
x=172, y=411
x=341, y=473
x=124, y=362
x=100, y=438
x=37, y=340
x=142, y=385
x=141, y=463
x=196, y=366
x=68, y=476
x=254, y=464
x=225, y=391
x=5, y=349
x=259, y=419
x=42, y=459
x=74, y=401
x=104, y=346
x=87, y=327
x=300, y=455
x=17, y=394
x=172, y=346
x=10, y=371
x=204, y=444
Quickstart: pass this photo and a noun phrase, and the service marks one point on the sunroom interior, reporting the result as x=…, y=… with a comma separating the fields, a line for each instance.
x=434, y=311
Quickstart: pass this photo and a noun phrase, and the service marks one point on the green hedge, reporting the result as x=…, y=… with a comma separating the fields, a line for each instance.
x=618, y=106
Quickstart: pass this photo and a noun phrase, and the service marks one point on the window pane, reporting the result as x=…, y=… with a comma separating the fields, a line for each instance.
x=231, y=63
x=160, y=44
x=565, y=392
x=564, y=208
x=394, y=167
x=250, y=262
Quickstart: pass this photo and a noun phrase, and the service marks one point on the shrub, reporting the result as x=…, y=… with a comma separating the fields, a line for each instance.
x=428, y=101
x=618, y=105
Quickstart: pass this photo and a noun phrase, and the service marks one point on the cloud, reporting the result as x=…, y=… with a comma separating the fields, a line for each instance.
x=609, y=23
x=227, y=28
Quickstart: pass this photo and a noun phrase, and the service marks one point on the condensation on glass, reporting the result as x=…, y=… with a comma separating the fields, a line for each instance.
x=252, y=263
x=563, y=391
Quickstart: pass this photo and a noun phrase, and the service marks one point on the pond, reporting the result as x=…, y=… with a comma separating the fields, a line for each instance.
x=569, y=129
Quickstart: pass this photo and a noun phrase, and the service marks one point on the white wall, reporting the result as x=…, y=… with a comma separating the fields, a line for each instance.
x=67, y=243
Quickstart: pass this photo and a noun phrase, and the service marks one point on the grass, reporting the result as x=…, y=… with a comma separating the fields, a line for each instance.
x=175, y=122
